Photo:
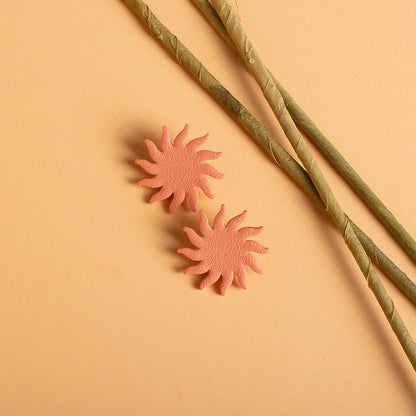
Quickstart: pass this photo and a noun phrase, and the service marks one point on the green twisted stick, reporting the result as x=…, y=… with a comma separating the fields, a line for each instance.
x=277, y=104
x=331, y=153
x=395, y=274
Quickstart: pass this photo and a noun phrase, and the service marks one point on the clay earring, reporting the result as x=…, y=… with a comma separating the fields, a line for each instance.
x=179, y=169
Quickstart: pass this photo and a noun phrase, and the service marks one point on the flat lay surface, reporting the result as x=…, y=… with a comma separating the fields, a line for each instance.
x=96, y=314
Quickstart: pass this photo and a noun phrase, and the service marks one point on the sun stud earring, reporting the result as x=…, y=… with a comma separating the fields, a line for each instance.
x=179, y=169
x=223, y=250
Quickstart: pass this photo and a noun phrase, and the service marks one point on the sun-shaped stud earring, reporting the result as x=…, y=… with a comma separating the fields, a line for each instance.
x=179, y=169
x=223, y=250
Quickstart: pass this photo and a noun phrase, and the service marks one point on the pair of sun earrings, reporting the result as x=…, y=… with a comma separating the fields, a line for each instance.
x=222, y=249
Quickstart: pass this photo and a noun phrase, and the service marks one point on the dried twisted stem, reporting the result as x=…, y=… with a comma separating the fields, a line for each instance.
x=277, y=104
x=331, y=153
x=245, y=119
x=394, y=273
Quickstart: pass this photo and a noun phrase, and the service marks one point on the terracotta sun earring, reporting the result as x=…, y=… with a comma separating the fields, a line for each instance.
x=223, y=250
x=179, y=169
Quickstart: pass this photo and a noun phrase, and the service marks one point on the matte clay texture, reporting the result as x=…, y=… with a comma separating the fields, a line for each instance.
x=179, y=169
x=223, y=250
x=97, y=317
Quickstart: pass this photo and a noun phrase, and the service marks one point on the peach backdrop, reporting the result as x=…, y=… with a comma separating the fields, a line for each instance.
x=96, y=315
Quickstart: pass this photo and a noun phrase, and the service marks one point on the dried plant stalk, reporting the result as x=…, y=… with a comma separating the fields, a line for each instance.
x=331, y=153
x=389, y=268
x=243, y=117
x=276, y=102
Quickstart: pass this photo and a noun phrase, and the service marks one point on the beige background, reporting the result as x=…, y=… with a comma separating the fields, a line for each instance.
x=96, y=315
